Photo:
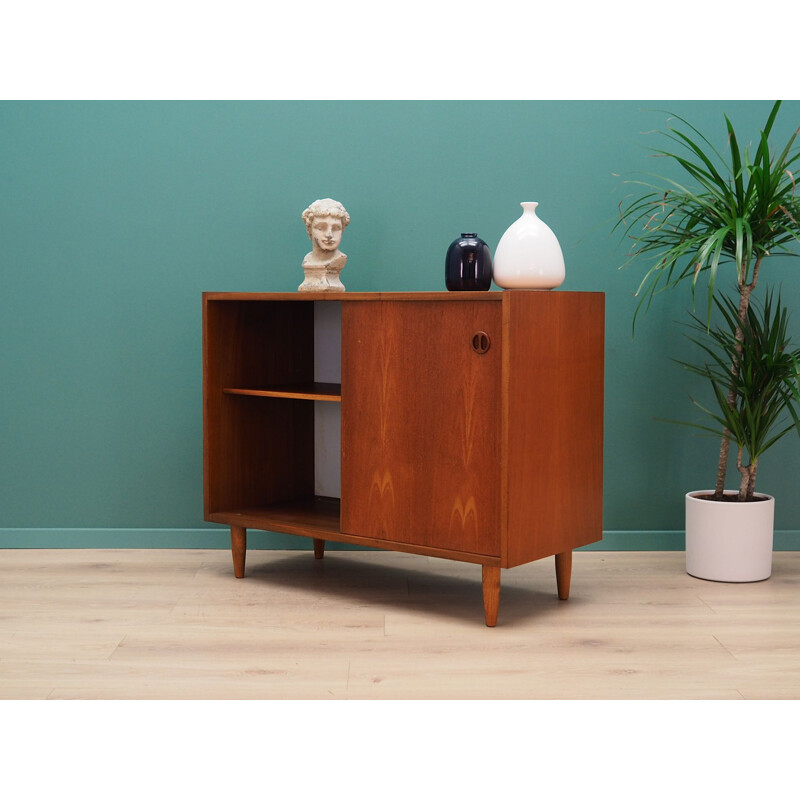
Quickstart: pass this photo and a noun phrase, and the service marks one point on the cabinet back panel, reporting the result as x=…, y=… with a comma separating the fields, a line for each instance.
x=264, y=453
x=249, y=345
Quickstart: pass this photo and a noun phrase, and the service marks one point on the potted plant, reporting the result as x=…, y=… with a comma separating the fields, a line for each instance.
x=731, y=539
x=735, y=210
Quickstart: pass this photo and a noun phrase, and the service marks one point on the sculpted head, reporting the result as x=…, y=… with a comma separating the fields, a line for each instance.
x=325, y=222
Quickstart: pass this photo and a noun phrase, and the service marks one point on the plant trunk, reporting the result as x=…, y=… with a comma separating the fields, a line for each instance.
x=745, y=290
x=748, y=482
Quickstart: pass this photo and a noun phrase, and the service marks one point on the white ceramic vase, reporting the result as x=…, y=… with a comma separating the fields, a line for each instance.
x=729, y=541
x=528, y=255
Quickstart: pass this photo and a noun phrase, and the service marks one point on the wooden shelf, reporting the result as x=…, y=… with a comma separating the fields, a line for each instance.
x=308, y=516
x=331, y=392
x=319, y=517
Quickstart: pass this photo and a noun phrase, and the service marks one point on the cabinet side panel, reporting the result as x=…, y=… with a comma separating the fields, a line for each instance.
x=256, y=450
x=421, y=424
x=554, y=423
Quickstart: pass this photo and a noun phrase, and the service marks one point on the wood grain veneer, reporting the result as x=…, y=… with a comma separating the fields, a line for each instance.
x=553, y=390
x=421, y=424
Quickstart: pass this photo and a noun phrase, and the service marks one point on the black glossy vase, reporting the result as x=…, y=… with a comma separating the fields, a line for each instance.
x=468, y=265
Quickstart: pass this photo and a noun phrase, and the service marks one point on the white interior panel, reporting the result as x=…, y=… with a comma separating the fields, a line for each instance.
x=327, y=416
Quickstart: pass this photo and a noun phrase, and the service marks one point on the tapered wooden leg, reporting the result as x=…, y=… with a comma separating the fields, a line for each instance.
x=319, y=548
x=238, y=549
x=563, y=574
x=491, y=594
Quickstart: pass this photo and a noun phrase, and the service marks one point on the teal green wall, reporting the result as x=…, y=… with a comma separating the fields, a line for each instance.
x=115, y=216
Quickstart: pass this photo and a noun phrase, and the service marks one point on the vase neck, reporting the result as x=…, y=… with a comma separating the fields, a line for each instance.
x=529, y=208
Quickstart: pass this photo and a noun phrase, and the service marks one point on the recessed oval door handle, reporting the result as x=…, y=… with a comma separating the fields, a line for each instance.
x=481, y=342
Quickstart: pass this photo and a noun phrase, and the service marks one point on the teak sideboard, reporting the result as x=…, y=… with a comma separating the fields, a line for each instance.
x=461, y=425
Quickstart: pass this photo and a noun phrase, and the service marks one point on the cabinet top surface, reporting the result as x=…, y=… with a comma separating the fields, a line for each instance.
x=491, y=296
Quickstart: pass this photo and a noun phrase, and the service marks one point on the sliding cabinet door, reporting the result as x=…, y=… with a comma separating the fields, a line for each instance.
x=421, y=422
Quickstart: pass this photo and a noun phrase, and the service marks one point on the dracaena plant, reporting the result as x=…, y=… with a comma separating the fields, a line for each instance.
x=764, y=387
x=728, y=213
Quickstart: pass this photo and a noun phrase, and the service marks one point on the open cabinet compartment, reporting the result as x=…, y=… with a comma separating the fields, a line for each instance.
x=270, y=458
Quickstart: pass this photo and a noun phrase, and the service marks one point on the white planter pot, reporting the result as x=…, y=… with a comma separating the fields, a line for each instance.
x=729, y=541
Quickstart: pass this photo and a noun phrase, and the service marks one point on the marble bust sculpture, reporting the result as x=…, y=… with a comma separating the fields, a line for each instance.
x=325, y=222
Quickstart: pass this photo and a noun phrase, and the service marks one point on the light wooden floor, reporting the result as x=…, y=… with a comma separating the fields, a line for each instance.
x=176, y=624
